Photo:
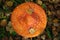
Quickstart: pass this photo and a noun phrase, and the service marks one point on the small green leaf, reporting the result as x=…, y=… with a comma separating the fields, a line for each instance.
x=2, y=35
x=27, y=0
x=14, y=33
x=19, y=1
x=8, y=34
x=6, y=9
x=48, y=33
x=44, y=6
x=2, y=32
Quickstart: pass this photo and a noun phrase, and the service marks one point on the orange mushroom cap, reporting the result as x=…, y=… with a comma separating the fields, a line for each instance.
x=29, y=20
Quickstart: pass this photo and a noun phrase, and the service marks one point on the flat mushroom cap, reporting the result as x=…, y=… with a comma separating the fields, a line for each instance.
x=28, y=20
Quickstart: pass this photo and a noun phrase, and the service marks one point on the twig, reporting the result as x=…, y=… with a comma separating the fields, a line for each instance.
x=31, y=38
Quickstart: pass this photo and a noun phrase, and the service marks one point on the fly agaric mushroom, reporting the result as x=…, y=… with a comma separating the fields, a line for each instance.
x=29, y=20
